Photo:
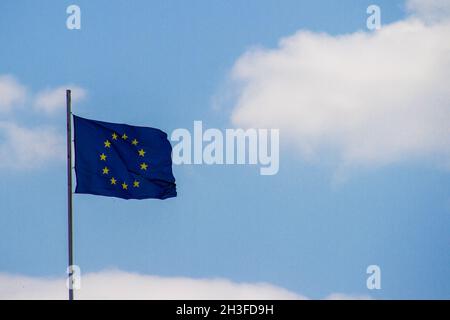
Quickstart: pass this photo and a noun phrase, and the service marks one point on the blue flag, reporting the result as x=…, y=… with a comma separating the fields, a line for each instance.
x=123, y=161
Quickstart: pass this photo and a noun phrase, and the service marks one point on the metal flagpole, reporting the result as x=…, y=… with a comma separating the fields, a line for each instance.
x=69, y=188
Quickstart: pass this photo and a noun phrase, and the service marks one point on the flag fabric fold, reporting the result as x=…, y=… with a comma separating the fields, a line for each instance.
x=123, y=161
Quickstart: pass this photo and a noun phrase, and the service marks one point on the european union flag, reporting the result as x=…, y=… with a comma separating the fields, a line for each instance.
x=119, y=160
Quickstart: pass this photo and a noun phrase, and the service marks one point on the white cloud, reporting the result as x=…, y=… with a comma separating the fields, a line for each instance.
x=429, y=10
x=369, y=98
x=52, y=100
x=124, y=285
x=116, y=284
x=26, y=148
x=12, y=93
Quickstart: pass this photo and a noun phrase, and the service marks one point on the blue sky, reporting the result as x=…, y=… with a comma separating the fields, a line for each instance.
x=163, y=64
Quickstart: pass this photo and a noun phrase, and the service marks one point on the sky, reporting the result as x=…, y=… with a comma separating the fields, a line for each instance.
x=364, y=148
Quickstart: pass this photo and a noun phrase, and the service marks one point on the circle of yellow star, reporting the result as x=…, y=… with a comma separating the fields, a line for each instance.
x=124, y=186
x=103, y=157
x=105, y=170
x=124, y=136
x=144, y=166
x=134, y=142
x=113, y=181
x=107, y=144
x=136, y=184
x=141, y=152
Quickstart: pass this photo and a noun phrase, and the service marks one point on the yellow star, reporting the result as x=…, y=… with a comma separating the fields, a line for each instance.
x=141, y=152
x=103, y=157
x=124, y=137
x=134, y=142
x=144, y=166
x=114, y=136
x=136, y=184
x=105, y=170
x=107, y=144
x=113, y=181
x=124, y=186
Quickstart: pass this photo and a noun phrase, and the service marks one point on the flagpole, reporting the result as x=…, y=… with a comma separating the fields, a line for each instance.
x=69, y=188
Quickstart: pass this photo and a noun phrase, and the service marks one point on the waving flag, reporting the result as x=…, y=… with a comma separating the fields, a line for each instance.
x=123, y=161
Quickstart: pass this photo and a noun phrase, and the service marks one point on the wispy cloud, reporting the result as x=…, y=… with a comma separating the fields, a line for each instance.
x=26, y=148
x=12, y=93
x=369, y=98
x=53, y=100
x=429, y=10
